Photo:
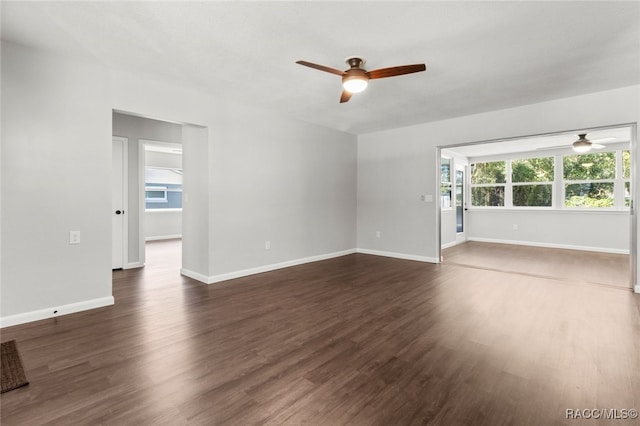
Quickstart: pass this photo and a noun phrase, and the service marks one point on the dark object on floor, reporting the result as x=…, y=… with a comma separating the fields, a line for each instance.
x=13, y=375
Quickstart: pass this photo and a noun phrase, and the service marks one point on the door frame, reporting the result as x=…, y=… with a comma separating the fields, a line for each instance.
x=125, y=199
x=142, y=144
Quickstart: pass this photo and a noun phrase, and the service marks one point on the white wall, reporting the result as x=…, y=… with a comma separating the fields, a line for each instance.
x=595, y=231
x=448, y=235
x=396, y=166
x=162, y=224
x=163, y=159
x=56, y=167
x=252, y=176
x=269, y=178
x=135, y=128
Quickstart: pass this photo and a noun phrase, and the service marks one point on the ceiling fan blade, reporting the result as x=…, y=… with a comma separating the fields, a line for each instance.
x=602, y=140
x=393, y=71
x=345, y=96
x=568, y=146
x=320, y=67
x=547, y=148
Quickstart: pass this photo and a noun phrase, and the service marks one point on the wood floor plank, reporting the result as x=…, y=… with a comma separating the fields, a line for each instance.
x=358, y=340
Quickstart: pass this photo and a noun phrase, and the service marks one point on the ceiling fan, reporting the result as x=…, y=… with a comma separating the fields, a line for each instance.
x=356, y=78
x=582, y=145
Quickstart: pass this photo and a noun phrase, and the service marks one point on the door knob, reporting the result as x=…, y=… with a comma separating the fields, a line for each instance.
x=118, y=212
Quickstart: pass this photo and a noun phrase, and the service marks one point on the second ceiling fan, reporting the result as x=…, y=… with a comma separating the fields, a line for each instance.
x=355, y=79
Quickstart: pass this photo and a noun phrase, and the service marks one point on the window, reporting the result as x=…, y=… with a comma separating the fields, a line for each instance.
x=445, y=183
x=589, y=180
x=163, y=188
x=593, y=180
x=155, y=194
x=532, y=182
x=488, y=181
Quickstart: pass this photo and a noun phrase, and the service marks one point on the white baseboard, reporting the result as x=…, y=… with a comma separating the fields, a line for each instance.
x=55, y=311
x=549, y=245
x=451, y=244
x=398, y=255
x=260, y=269
x=163, y=237
x=195, y=275
x=133, y=265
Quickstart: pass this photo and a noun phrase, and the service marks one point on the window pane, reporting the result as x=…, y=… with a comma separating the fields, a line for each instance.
x=626, y=164
x=601, y=165
x=445, y=170
x=493, y=172
x=532, y=195
x=532, y=170
x=156, y=195
x=445, y=195
x=590, y=195
x=445, y=183
x=627, y=194
x=487, y=196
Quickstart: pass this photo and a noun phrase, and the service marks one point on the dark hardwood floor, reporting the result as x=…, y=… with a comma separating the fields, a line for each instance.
x=358, y=340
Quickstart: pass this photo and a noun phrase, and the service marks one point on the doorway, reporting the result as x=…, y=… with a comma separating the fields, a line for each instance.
x=539, y=192
x=161, y=201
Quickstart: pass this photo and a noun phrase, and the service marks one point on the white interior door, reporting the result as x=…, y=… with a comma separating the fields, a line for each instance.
x=118, y=204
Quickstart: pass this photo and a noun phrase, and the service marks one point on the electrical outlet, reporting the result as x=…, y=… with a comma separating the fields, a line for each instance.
x=74, y=237
x=515, y=227
x=267, y=245
x=378, y=234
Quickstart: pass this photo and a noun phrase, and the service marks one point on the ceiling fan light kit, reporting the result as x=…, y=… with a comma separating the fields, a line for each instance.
x=582, y=144
x=356, y=79
x=355, y=83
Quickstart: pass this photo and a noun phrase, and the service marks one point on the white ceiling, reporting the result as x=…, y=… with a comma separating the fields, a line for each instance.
x=480, y=56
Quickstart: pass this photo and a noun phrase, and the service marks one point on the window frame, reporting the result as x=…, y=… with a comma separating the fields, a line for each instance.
x=163, y=189
x=618, y=184
x=503, y=185
x=451, y=205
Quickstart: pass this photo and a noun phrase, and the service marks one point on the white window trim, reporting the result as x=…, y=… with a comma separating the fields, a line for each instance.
x=451, y=206
x=558, y=185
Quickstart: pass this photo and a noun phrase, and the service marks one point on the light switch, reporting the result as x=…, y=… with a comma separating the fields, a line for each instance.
x=74, y=237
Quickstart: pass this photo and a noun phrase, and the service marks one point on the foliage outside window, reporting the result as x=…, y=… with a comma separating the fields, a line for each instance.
x=532, y=182
x=592, y=180
x=589, y=180
x=488, y=181
x=626, y=176
x=445, y=183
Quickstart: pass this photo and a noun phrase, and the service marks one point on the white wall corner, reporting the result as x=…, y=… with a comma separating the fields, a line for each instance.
x=451, y=244
x=55, y=311
x=265, y=268
x=196, y=276
x=399, y=255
